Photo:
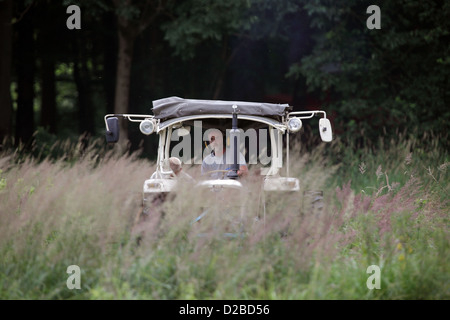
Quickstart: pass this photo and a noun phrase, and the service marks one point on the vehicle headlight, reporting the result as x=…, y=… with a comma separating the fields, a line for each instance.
x=294, y=124
x=147, y=127
x=154, y=185
x=290, y=183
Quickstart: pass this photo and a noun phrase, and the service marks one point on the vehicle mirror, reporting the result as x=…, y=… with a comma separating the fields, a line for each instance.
x=325, y=130
x=112, y=134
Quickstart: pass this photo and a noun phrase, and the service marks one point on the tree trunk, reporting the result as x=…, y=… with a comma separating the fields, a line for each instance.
x=82, y=80
x=25, y=81
x=110, y=64
x=128, y=29
x=46, y=48
x=48, y=98
x=5, y=69
x=122, y=94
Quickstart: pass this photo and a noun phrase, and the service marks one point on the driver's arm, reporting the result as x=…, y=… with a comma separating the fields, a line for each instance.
x=243, y=170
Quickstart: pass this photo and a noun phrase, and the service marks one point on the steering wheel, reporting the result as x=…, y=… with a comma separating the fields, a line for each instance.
x=222, y=171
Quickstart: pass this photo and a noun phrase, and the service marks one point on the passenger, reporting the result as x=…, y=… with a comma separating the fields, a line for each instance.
x=175, y=165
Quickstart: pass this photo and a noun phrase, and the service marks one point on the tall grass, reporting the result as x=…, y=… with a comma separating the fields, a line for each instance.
x=387, y=208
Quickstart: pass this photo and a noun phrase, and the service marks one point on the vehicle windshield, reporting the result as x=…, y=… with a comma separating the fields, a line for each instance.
x=193, y=142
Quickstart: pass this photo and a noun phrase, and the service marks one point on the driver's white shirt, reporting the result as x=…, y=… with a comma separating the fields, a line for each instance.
x=211, y=163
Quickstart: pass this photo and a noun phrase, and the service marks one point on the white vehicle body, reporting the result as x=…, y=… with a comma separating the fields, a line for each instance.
x=163, y=179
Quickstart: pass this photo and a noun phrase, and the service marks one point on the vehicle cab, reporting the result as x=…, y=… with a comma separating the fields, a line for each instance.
x=253, y=129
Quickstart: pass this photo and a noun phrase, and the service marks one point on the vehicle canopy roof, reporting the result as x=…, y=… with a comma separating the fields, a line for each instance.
x=175, y=107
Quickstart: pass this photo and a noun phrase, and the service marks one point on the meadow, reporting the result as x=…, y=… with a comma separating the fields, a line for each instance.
x=387, y=208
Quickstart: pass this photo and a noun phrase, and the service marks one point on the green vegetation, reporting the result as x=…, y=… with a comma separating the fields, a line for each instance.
x=66, y=199
x=387, y=208
x=391, y=79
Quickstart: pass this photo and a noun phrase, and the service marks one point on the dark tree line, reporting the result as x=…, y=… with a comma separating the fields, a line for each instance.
x=309, y=54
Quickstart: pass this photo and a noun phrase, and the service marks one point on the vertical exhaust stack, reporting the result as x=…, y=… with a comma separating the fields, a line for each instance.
x=235, y=141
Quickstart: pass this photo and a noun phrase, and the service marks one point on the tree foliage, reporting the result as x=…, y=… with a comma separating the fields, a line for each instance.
x=196, y=21
x=388, y=79
x=306, y=53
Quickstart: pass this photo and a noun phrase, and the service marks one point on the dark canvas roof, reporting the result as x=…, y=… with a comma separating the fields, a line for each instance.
x=175, y=107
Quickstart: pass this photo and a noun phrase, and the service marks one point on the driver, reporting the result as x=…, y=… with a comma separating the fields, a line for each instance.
x=217, y=160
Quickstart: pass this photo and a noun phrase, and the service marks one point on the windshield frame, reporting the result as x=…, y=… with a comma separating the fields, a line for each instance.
x=276, y=131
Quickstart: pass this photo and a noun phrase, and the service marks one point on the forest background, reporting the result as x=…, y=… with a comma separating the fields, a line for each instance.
x=58, y=83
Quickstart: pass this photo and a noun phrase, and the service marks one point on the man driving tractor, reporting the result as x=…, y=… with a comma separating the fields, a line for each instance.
x=218, y=162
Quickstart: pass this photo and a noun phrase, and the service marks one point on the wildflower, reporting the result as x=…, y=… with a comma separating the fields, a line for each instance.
x=442, y=167
x=394, y=185
x=2, y=183
x=379, y=173
x=399, y=246
x=362, y=168
x=401, y=257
